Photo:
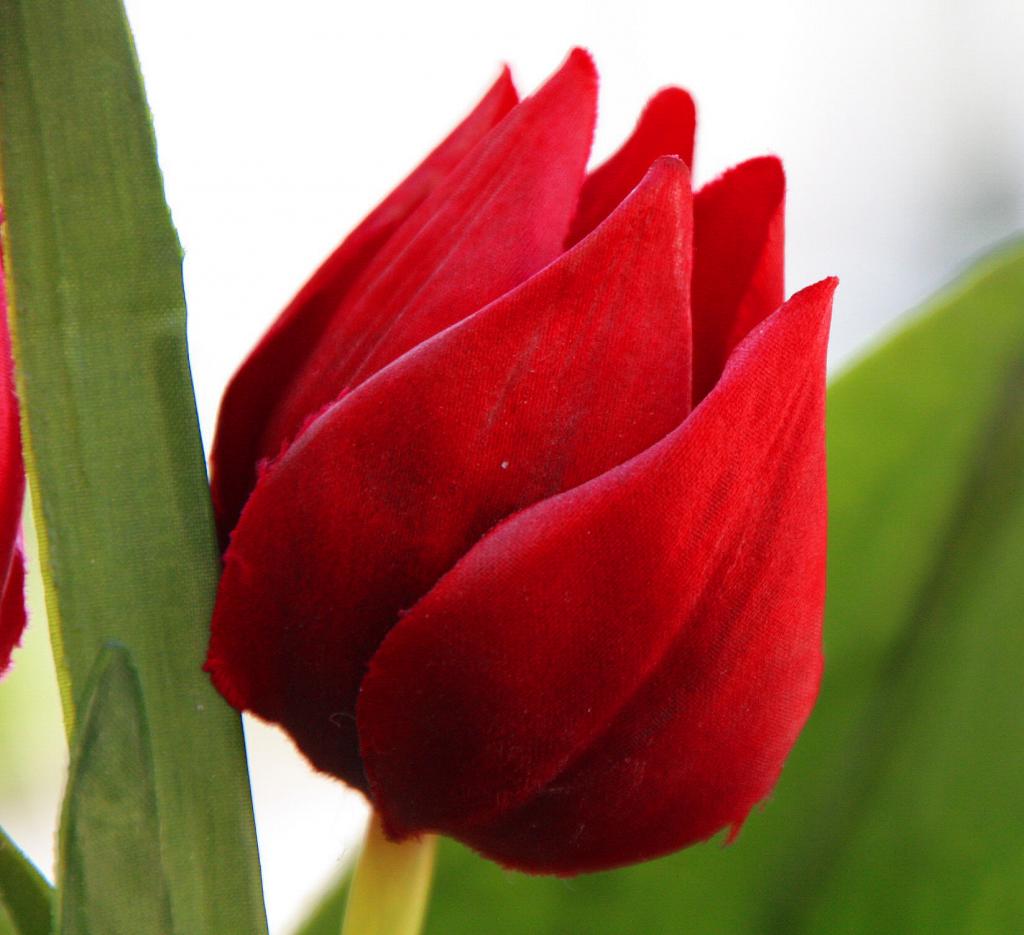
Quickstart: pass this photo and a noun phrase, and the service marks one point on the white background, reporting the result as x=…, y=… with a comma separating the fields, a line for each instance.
x=901, y=125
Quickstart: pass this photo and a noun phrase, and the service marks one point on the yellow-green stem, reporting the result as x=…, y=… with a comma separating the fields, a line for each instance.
x=391, y=885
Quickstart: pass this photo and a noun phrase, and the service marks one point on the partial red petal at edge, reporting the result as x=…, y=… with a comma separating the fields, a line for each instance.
x=12, y=495
x=12, y=609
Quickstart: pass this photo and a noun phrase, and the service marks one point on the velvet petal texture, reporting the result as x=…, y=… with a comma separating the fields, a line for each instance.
x=12, y=494
x=620, y=671
x=507, y=408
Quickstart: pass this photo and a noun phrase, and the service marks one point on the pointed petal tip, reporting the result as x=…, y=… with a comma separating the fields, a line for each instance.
x=668, y=125
x=671, y=102
x=668, y=167
x=821, y=295
x=667, y=175
x=581, y=58
x=821, y=291
x=766, y=172
x=667, y=179
x=769, y=169
x=579, y=67
x=813, y=303
x=802, y=323
x=672, y=113
x=665, y=128
x=504, y=87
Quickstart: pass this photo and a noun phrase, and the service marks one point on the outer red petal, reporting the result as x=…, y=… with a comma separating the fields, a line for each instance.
x=257, y=389
x=620, y=670
x=12, y=608
x=738, y=262
x=12, y=495
x=500, y=216
x=579, y=369
x=666, y=128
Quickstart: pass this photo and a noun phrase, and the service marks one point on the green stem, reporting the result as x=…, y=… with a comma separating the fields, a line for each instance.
x=391, y=885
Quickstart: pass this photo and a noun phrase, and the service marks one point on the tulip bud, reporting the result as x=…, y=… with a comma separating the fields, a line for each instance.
x=526, y=494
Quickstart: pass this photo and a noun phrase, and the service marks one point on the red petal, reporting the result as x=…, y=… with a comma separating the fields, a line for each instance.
x=620, y=670
x=738, y=262
x=666, y=128
x=12, y=496
x=257, y=388
x=12, y=608
x=580, y=368
x=500, y=216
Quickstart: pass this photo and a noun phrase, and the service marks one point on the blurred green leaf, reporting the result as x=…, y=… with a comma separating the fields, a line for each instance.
x=110, y=872
x=26, y=899
x=113, y=453
x=923, y=829
x=900, y=809
x=329, y=913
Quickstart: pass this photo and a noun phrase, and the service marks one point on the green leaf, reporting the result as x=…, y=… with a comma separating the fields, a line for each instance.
x=26, y=899
x=328, y=915
x=900, y=809
x=111, y=874
x=924, y=733
x=115, y=463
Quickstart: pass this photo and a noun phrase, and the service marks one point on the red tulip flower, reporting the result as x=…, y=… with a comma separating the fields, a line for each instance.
x=12, y=495
x=526, y=494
